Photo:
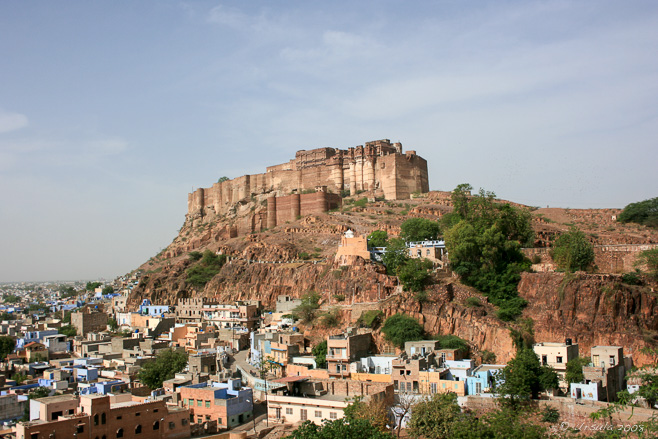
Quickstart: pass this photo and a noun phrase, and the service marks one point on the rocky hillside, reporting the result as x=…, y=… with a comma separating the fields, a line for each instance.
x=297, y=257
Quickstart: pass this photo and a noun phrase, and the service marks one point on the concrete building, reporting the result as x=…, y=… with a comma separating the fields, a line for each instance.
x=315, y=400
x=557, y=355
x=93, y=416
x=483, y=379
x=89, y=320
x=229, y=403
x=432, y=250
x=345, y=348
x=350, y=247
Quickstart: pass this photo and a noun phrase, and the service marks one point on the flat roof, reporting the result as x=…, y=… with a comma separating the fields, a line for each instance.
x=57, y=398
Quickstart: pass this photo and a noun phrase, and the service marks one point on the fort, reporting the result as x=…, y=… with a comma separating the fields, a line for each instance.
x=379, y=168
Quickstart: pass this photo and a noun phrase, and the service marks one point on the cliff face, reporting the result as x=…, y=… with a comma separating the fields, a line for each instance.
x=592, y=310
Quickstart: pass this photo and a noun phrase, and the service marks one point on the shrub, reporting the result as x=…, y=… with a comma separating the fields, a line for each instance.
x=339, y=297
x=650, y=259
x=320, y=353
x=550, y=414
x=572, y=251
x=304, y=256
x=371, y=318
x=331, y=318
x=632, y=278
x=473, y=302
x=401, y=328
x=421, y=296
x=453, y=342
x=305, y=311
x=643, y=212
x=378, y=238
x=414, y=274
x=361, y=202
x=419, y=229
x=488, y=357
x=206, y=268
x=536, y=259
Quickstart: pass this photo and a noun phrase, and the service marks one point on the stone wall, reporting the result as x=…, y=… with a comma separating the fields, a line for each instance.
x=379, y=167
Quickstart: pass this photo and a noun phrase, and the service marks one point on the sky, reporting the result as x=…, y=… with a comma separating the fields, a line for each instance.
x=111, y=112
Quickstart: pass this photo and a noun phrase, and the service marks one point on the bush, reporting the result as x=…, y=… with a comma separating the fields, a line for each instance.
x=572, y=251
x=207, y=267
x=320, y=353
x=378, y=238
x=305, y=311
x=473, y=302
x=361, y=202
x=453, y=342
x=195, y=256
x=402, y=328
x=68, y=330
x=421, y=296
x=414, y=274
x=549, y=414
x=165, y=366
x=536, y=259
x=339, y=297
x=632, y=278
x=371, y=318
x=643, y=212
x=650, y=259
x=419, y=229
x=331, y=318
x=304, y=256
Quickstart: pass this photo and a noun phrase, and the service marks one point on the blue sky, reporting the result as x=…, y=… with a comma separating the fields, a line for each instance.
x=111, y=112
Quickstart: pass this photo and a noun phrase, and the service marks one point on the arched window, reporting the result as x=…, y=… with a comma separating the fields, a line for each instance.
x=103, y=418
x=138, y=429
x=120, y=432
x=96, y=419
x=156, y=425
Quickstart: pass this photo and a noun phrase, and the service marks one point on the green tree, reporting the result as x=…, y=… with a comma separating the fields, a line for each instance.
x=485, y=247
x=523, y=378
x=650, y=259
x=91, y=286
x=222, y=179
x=320, y=353
x=6, y=316
x=574, y=371
x=112, y=324
x=643, y=212
x=68, y=330
x=165, y=366
x=414, y=274
x=419, y=229
x=452, y=341
x=371, y=318
x=205, y=269
x=378, y=238
x=503, y=423
x=434, y=418
x=67, y=291
x=401, y=328
x=396, y=255
x=19, y=378
x=195, y=256
x=306, y=310
x=108, y=289
x=7, y=345
x=572, y=251
x=11, y=298
x=339, y=428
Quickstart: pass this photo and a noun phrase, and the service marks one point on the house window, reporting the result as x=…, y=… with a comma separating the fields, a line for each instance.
x=198, y=402
x=395, y=384
x=433, y=387
x=333, y=415
x=478, y=387
x=219, y=421
x=120, y=432
x=80, y=428
x=96, y=419
x=138, y=429
x=304, y=415
x=402, y=372
x=183, y=422
x=34, y=436
x=408, y=372
x=318, y=414
x=612, y=360
x=172, y=425
x=288, y=410
x=156, y=425
x=558, y=360
x=408, y=387
x=103, y=418
x=207, y=404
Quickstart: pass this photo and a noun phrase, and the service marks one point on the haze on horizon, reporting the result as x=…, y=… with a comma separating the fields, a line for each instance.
x=111, y=112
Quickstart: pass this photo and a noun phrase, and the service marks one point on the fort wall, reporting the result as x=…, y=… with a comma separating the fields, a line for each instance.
x=378, y=167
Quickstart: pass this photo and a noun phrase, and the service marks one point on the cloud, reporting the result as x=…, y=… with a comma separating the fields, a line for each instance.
x=12, y=121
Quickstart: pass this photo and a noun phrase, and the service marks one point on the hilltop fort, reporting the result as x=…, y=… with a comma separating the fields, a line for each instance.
x=312, y=181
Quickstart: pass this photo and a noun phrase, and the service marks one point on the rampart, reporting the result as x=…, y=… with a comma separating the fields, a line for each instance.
x=378, y=167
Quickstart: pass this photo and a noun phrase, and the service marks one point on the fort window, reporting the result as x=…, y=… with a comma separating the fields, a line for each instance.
x=138, y=429
x=80, y=428
x=120, y=433
x=119, y=417
x=156, y=425
x=103, y=418
x=172, y=425
x=34, y=436
x=96, y=419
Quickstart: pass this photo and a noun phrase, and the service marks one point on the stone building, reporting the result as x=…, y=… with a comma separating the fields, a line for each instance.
x=191, y=309
x=94, y=416
x=229, y=403
x=344, y=349
x=89, y=320
x=378, y=167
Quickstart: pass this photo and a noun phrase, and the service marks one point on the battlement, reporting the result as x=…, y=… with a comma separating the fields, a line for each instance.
x=379, y=167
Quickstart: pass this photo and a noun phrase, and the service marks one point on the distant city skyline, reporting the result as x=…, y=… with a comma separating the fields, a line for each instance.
x=112, y=112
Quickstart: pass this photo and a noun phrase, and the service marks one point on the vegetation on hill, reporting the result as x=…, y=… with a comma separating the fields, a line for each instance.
x=378, y=238
x=650, y=259
x=643, y=212
x=207, y=267
x=524, y=377
x=306, y=310
x=165, y=366
x=91, y=286
x=401, y=328
x=419, y=229
x=484, y=240
x=320, y=354
x=572, y=251
x=7, y=345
